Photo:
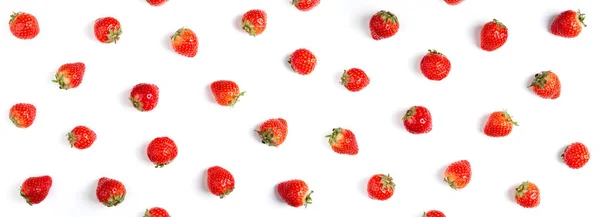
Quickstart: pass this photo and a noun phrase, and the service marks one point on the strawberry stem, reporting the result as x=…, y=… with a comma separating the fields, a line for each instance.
x=540, y=79
x=432, y=51
x=387, y=16
x=14, y=16
x=249, y=27
x=147, y=213
x=308, y=199
x=581, y=17
x=267, y=137
x=236, y=99
x=387, y=182
x=509, y=118
x=500, y=24
x=332, y=137
x=114, y=35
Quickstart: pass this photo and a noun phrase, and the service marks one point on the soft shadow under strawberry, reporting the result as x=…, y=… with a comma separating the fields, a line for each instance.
x=89, y=31
x=202, y=176
x=483, y=121
x=510, y=193
x=476, y=31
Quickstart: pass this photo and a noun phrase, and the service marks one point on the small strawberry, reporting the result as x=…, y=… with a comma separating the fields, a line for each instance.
x=23, y=25
x=383, y=24
x=302, y=61
x=458, y=174
x=343, y=141
x=499, y=124
x=273, y=131
x=254, y=22
x=185, y=42
x=220, y=181
x=161, y=151
x=493, y=35
x=110, y=192
x=355, y=79
x=156, y=212
x=305, y=5
x=295, y=193
x=546, y=85
x=433, y=213
x=144, y=97
x=527, y=195
x=156, y=2
x=69, y=75
x=35, y=189
x=568, y=24
x=107, y=30
x=381, y=187
x=22, y=114
x=453, y=2
x=225, y=92
x=417, y=120
x=435, y=66
x=576, y=155
x=81, y=137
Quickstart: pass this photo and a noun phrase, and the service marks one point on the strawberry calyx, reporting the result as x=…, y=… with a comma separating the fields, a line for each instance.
x=308, y=199
x=114, y=35
x=387, y=182
x=114, y=200
x=500, y=24
x=147, y=213
x=522, y=189
x=227, y=192
x=14, y=16
x=25, y=197
x=295, y=2
x=540, y=79
x=581, y=18
x=158, y=165
x=387, y=16
x=267, y=137
x=290, y=62
x=60, y=79
x=509, y=118
x=562, y=155
x=412, y=111
x=137, y=104
x=72, y=138
x=345, y=78
x=433, y=51
x=249, y=27
x=14, y=120
x=178, y=33
x=450, y=182
x=236, y=99
x=333, y=137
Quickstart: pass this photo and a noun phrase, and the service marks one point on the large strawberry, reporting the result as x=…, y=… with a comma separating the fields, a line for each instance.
x=144, y=97
x=220, y=181
x=305, y=5
x=343, y=141
x=156, y=3
x=527, y=195
x=383, y=24
x=435, y=65
x=499, y=124
x=226, y=92
x=22, y=114
x=453, y=2
x=417, y=120
x=494, y=35
x=35, y=189
x=254, y=22
x=355, y=79
x=156, y=212
x=273, y=131
x=107, y=30
x=69, y=75
x=568, y=24
x=458, y=174
x=576, y=155
x=185, y=42
x=81, y=137
x=302, y=61
x=433, y=213
x=546, y=85
x=295, y=193
x=110, y=192
x=381, y=187
x=23, y=25
x=161, y=151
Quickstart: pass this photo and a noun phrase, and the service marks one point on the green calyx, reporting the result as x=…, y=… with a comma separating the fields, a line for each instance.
x=177, y=33
x=290, y=62
x=60, y=79
x=332, y=137
x=387, y=16
x=410, y=113
x=509, y=118
x=162, y=165
x=114, y=200
x=14, y=16
x=236, y=99
x=387, y=182
x=295, y=2
x=14, y=120
x=308, y=199
x=137, y=104
x=226, y=193
x=249, y=27
x=540, y=79
x=500, y=24
x=432, y=51
x=25, y=197
x=72, y=138
x=147, y=213
x=562, y=155
x=522, y=189
x=114, y=35
x=581, y=18
x=345, y=78
x=267, y=137
x=450, y=183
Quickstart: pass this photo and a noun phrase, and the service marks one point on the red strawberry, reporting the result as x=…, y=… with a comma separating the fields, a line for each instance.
x=433, y=213
x=355, y=79
x=546, y=85
x=302, y=61
x=110, y=192
x=161, y=151
x=417, y=120
x=107, y=30
x=273, y=131
x=568, y=24
x=527, y=195
x=493, y=35
x=458, y=174
x=35, y=189
x=69, y=75
x=22, y=114
x=576, y=155
x=499, y=124
x=220, y=181
x=381, y=187
x=23, y=25
x=435, y=66
x=305, y=5
x=156, y=2
x=453, y=2
x=185, y=42
x=81, y=137
x=295, y=193
x=254, y=22
x=144, y=97
x=343, y=141
x=226, y=93
x=383, y=24
x=156, y=212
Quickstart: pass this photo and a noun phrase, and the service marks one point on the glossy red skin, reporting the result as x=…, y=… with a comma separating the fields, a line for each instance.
x=305, y=5
x=303, y=61
x=294, y=192
x=22, y=114
x=144, y=97
x=254, y=22
x=35, y=189
x=417, y=120
x=107, y=30
x=24, y=25
x=220, y=181
x=185, y=42
x=162, y=151
x=70, y=75
x=567, y=24
x=494, y=35
x=110, y=192
x=546, y=85
x=273, y=131
x=383, y=24
x=576, y=155
x=156, y=212
x=435, y=66
x=156, y=3
x=458, y=174
x=376, y=189
x=499, y=124
x=434, y=213
x=355, y=79
x=343, y=141
x=225, y=92
x=453, y=2
x=527, y=195
x=81, y=137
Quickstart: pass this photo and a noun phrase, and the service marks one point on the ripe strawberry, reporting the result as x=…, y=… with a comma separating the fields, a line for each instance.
x=493, y=35
x=156, y=212
x=273, y=131
x=110, y=192
x=546, y=85
x=305, y=5
x=355, y=79
x=81, y=137
x=302, y=61
x=220, y=181
x=144, y=97
x=69, y=75
x=254, y=22
x=343, y=141
x=23, y=25
x=433, y=213
x=568, y=24
x=161, y=151
x=381, y=187
x=417, y=120
x=527, y=195
x=185, y=42
x=458, y=174
x=156, y=2
x=576, y=155
x=107, y=30
x=22, y=114
x=226, y=93
x=383, y=24
x=499, y=124
x=435, y=66
x=295, y=193
x=453, y=2
x=35, y=189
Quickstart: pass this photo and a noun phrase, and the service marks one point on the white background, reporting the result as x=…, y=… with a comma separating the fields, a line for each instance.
x=337, y=32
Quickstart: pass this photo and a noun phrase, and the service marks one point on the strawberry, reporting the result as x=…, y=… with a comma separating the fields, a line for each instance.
x=381, y=187
x=110, y=192
x=568, y=24
x=417, y=120
x=107, y=30
x=458, y=174
x=527, y=195
x=220, y=181
x=23, y=25
x=35, y=189
x=225, y=92
x=156, y=212
x=499, y=124
x=435, y=65
x=302, y=61
x=305, y=5
x=383, y=24
x=161, y=151
x=546, y=85
x=81, y=137
x=156, y=2
x=343, y=141
x=295, y=193
x=433, y=213
x=69, y=75
x=355, y=79
x=254, y=22
x=453, y=2
x=185, y=42
x=493, y=35
x=576, y=155
x=22, y=114
x=144, y=97
x=273, y=131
